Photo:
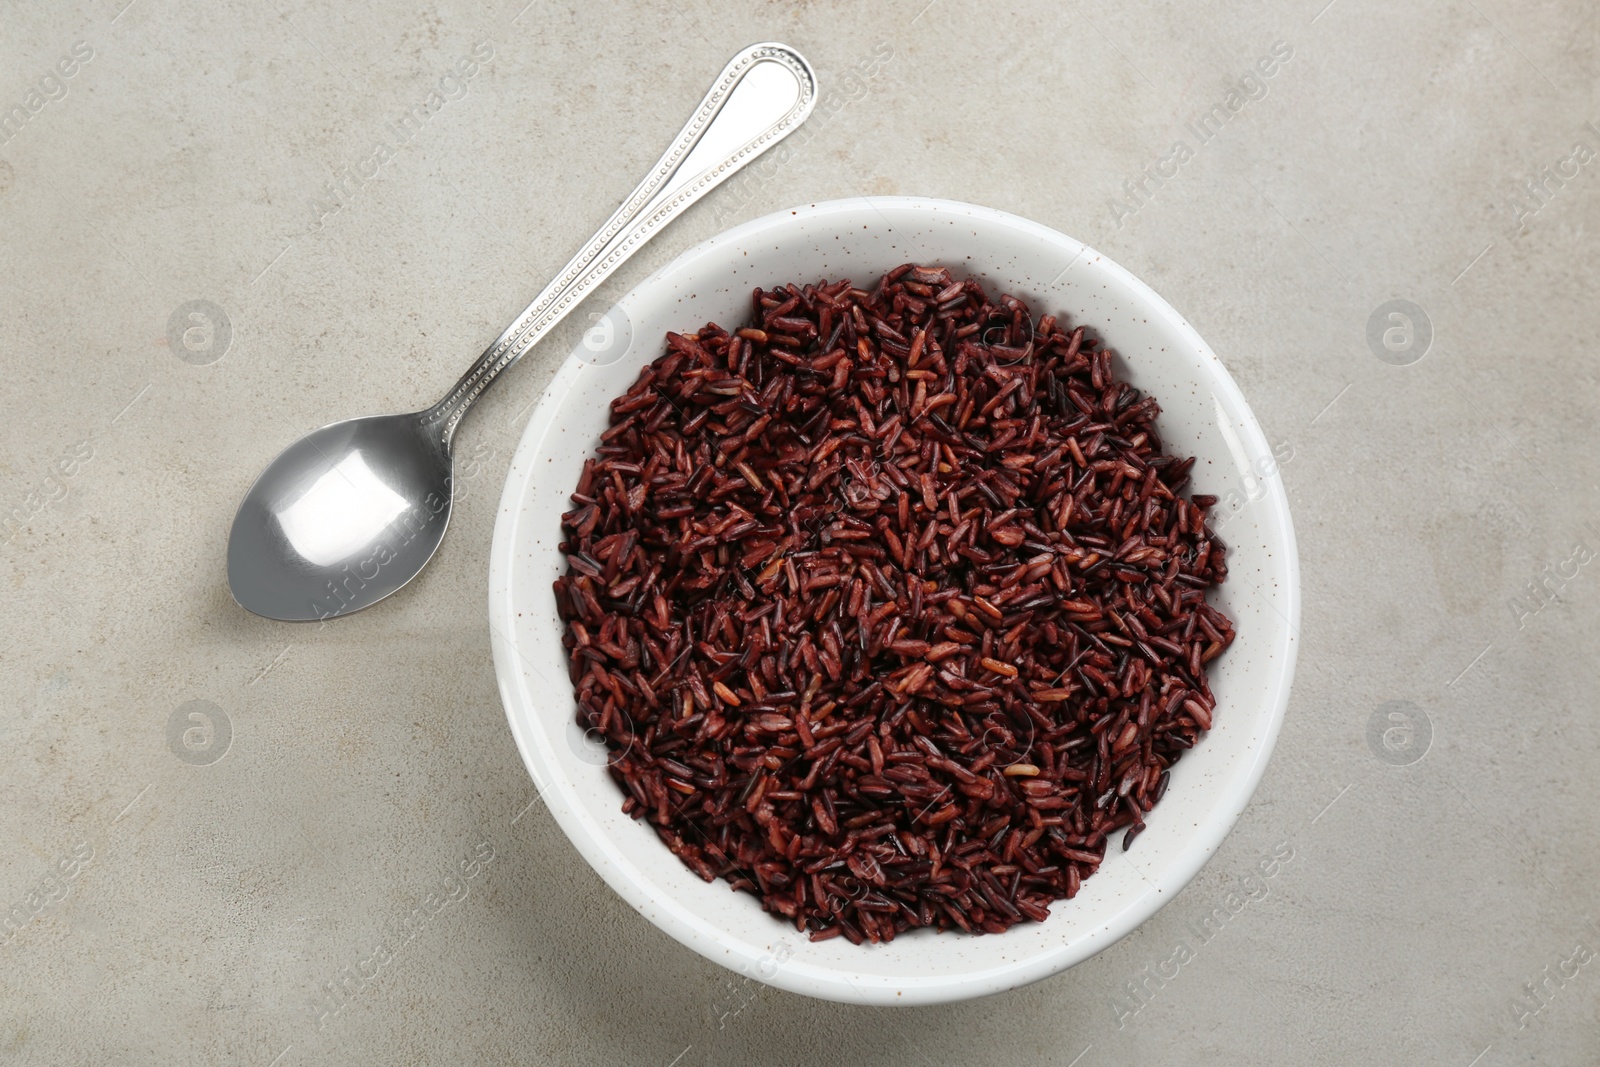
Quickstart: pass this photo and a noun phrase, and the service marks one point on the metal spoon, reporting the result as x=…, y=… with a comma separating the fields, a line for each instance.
x=353, y=511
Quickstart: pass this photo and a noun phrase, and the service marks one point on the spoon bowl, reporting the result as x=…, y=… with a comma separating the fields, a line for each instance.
x=341, y=518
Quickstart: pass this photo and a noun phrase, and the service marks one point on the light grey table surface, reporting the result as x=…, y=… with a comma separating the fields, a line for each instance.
x=191, y=889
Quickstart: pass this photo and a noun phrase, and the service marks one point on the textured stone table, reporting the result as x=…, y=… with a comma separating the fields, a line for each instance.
x=220, y=229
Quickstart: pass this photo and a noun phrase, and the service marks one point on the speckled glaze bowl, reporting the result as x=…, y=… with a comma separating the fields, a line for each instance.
x=1203, y=414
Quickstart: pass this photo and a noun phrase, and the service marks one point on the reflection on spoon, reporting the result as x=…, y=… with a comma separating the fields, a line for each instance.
x=343, y=511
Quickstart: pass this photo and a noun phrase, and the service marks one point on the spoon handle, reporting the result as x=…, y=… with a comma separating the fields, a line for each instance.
x=728, y=138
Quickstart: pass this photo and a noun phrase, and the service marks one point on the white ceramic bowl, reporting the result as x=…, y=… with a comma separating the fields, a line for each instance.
x=1202, y=414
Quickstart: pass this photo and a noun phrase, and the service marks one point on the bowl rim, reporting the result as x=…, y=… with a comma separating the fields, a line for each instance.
x=606, y=857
